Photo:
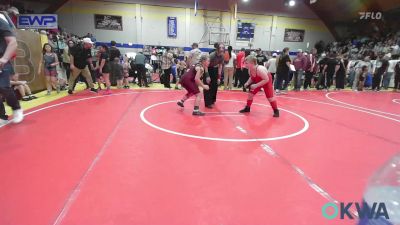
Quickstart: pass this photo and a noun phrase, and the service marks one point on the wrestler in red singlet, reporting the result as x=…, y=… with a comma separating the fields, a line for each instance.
x=259, y=78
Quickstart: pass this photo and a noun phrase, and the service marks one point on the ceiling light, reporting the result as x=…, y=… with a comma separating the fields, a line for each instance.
x=292, y=2
x=245, y=0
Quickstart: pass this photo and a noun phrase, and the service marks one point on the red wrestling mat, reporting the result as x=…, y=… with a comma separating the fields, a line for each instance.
x=137, y=158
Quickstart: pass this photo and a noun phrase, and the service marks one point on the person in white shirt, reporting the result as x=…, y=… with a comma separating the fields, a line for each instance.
x=271, y=65
x=388, y=76
x=194, y=55
x=229, y=69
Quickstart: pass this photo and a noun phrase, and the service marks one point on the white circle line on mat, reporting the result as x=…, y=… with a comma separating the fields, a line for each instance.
x=342, y=106
x=304, y=129
x=82, y=99
x=355, y=106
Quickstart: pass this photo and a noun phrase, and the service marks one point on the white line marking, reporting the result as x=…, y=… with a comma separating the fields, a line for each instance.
x=75, y=193
x=83, y=99
x=268, y=150
x=300, y=172
x=396, y=101
x=344, y=103
x=304, y=129
x=241, y=129
x=341, y=106
x=223, y=113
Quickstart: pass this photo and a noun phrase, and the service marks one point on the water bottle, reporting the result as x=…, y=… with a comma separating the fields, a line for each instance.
x=384, y=187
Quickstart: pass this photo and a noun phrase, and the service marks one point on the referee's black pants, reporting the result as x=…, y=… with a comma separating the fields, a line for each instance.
x=210, y=96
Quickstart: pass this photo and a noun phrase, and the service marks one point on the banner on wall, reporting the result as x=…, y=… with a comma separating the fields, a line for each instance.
x=245, y=31
x=293, y=35
x=37, y=21
x=108, y=22
x=172, y=27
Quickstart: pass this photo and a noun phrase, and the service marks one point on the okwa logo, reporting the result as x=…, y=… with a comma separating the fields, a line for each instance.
x=363, y=210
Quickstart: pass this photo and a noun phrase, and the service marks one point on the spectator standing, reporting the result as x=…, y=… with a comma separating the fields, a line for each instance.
x=311, y=68
x=50, y=62
x=300, y=64
x=261, y=58
x=388, y=76
x=116, y=68
x=166, y=66
x=271, y=66
x=239, y=71
x=194, y=55
x=229, y=68
x=140, y=63
x=382, y=65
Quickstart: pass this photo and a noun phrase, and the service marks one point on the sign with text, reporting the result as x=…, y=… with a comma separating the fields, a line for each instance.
x=37, y=21
x=172, y=27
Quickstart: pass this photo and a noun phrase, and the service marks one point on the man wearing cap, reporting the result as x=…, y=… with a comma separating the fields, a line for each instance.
x=261, y=58
x=80, y=60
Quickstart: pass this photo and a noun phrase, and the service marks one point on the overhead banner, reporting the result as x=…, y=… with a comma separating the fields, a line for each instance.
x=37, y=21
x=172, y=27
x=245, y=31
x=293, y=35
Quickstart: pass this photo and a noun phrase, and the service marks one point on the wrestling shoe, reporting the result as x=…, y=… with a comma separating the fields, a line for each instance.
x=180, y=104
x=276, y=113
x=245, y=110
x=198, y=113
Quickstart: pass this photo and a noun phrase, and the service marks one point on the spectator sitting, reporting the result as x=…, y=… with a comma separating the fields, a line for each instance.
x=22, y=88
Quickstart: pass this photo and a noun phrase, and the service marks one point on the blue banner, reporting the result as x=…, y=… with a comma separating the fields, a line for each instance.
x=245, y=31
x=172, y=27
x=37, y=21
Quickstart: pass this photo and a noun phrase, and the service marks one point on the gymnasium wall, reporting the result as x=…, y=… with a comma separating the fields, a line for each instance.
x=147, y=25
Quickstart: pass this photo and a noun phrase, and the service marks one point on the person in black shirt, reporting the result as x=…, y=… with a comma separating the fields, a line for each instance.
x=104, y=67
x=321, y=75
x=341, y=74
x=214, y=72
x=81, y=57
x=382, y=65
x=282, y=70
x=397, y=77
x=216, y=44
x=8, y=48
x=116, y=75
x=330, y=70
x=261, y=58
